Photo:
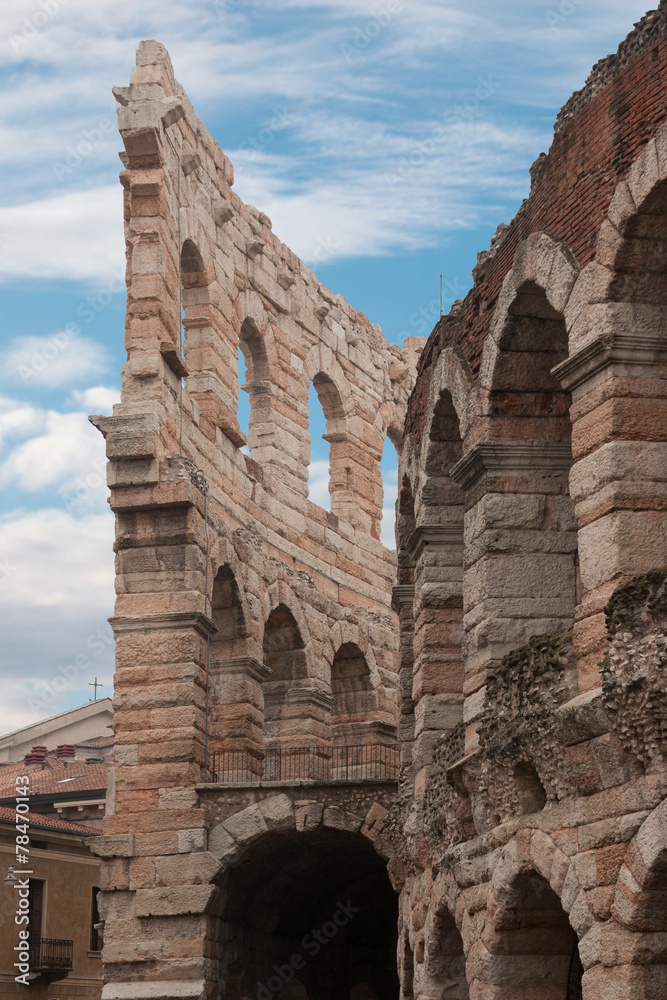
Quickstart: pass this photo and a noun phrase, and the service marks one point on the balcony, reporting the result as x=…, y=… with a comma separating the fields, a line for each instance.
x=51, y=955
x=294, y=765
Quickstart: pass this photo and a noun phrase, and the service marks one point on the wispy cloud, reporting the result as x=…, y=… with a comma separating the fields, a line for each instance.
x=62, y=453
x=77, y=235
x=61, y=359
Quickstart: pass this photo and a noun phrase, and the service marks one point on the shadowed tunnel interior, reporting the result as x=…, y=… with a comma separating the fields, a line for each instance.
x=314, y=910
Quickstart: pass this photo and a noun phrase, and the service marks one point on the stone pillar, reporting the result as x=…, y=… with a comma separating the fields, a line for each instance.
x=520, y=544
x=618, y=481
x=437, y=681
x=402, y=601
x=237, y=715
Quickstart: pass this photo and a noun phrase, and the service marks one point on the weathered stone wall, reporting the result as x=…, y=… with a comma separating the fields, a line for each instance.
x=528, y=840
x=249, y=622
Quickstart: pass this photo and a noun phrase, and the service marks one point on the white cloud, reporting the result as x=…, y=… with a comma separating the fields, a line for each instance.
x=318, y=483
x=18, y=419
x=97, y=399
x=58, y=360
x=77, y=235
x=59, y=451
x=57, y=561
x=56, y=591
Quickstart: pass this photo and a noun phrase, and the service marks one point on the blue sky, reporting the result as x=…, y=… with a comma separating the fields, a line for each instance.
x=385, y=139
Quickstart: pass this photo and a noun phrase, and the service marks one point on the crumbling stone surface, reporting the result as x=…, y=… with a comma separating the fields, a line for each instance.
x=634, y=671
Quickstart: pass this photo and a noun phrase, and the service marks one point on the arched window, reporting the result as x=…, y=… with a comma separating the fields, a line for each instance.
x=533, y=949
x=227, y=615
x=444, y=969
x=319, y=466
x=389, y=493
x=351, y=688
x=285, y=663
x=253, y=367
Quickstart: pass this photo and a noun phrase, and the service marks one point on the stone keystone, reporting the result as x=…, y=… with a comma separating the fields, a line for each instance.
x=278, y=812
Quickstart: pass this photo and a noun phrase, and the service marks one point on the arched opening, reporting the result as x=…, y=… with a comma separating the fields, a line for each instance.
x=319, y=465
x=534, y=951
x=285, y=663
x=296, y=710
x=521, y=536
x=227, y=615
x=444, y=970
x=191, y=259
x=529, y=788
x=437, y=688
x=253, y=373
x=208, y=346
x=640, y=907
x=403, y=601
x=235, y=716
x=351, y=688
x=312, y=910
x=364, y=738
x=389, y=467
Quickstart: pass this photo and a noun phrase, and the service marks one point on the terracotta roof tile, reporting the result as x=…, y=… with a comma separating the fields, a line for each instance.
x=40, y=822
x=54, y=778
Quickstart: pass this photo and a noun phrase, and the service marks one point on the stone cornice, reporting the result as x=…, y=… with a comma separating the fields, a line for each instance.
x=163, y=620
x=512, y=458
x=402, y=595
x=248, y=666
x=434, y=534
x=635, y=353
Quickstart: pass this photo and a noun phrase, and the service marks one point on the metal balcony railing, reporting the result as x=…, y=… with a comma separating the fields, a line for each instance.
x=297, y=764
x=51, y=954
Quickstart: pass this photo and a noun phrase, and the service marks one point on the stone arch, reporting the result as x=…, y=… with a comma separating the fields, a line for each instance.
x=348, y=452
x=393, y=419
x=281, y=593
x=451, y=375
x=192, y=262
x=296, y=704
x=209, y=348
x=527, y=339
x=383, y=436
x=443, y=972
x=349, y=632
x=617, y=330
x=222, y=554
x=363, y=717
x=286, y=862
x=352, y=692
x=540, y=934
x=640, y=899
x=437, y=553
x=236, y=671
x=521, y=531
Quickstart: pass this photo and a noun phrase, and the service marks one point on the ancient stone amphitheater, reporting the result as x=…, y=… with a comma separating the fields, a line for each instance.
x=345, y=774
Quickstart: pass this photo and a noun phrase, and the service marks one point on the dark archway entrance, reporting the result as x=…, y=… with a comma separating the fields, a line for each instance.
x=312, y=909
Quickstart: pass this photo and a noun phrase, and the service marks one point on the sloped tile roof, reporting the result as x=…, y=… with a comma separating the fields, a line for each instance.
x=56, y=777
x=40, y=822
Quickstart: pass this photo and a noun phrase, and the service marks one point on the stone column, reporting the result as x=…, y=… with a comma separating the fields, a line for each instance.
x=619, y=477
x=520, y=544
x=437, y=682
